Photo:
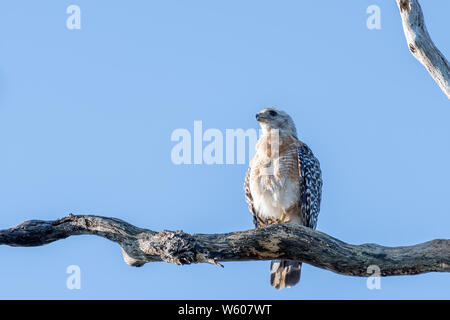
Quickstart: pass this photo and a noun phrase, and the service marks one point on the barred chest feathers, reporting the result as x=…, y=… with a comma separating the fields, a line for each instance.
x=274, y=179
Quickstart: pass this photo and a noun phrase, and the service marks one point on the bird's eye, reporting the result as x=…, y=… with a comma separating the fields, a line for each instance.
x=273, y=113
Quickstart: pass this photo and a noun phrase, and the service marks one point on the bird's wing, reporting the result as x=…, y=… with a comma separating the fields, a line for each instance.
x=248, y=197
x=310, y=185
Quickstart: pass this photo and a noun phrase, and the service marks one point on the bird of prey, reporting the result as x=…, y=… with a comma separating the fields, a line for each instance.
x=283, y=185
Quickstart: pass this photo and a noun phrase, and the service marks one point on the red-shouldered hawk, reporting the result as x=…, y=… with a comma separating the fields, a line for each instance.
x=283, y=184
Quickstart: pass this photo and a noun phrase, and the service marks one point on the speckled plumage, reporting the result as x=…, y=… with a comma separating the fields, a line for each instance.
x=283, y=184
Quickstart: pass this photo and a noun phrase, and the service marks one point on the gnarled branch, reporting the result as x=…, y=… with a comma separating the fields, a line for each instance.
x=286, y=241
x=421, y=45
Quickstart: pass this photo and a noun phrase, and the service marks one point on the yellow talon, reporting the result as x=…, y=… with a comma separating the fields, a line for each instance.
x=284, y=218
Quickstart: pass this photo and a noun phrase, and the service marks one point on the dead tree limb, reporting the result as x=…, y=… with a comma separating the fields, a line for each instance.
x=286, y=241
x=421, y=45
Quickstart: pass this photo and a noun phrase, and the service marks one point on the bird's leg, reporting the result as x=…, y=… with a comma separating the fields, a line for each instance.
x=284, y=218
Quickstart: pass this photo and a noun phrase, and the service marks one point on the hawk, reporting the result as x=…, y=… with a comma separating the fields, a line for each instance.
x=283, y=184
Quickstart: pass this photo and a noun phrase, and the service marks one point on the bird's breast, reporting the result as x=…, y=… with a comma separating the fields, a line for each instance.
x=274, y=185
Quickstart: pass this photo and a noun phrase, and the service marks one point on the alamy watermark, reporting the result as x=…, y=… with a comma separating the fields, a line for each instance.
x=213, y=146
x=373, y=22
x=74, y=280
x=73, y=22
x=374, y=281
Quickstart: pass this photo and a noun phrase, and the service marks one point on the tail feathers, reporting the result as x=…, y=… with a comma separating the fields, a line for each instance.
x=284, y=273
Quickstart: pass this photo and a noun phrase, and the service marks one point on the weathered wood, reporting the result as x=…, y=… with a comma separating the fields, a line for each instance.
x=421, y=45
x=286, y=241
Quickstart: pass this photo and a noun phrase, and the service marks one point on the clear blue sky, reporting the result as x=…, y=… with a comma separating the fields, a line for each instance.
x=86, y=118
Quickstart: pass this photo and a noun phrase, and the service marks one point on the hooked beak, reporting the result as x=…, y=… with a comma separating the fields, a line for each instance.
x=259, y=117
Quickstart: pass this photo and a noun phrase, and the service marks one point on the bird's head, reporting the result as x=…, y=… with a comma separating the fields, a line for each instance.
x=271, y=118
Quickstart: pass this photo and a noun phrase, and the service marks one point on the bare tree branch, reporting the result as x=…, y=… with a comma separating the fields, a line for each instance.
x=287, y=241
x=421, y=45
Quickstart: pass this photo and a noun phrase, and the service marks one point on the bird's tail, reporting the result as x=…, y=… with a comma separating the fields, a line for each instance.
x=284, y=273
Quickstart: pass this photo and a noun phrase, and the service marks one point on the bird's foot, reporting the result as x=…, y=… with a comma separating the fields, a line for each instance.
x=282, y=219
x=272, y=220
